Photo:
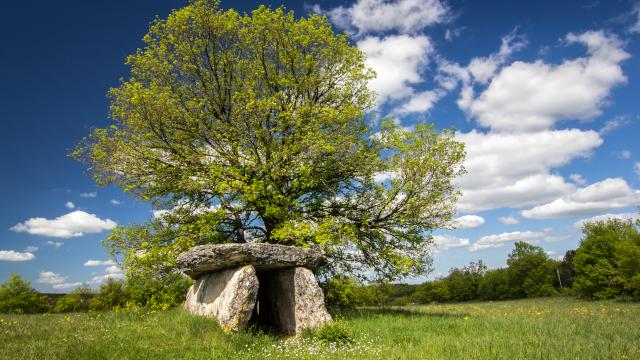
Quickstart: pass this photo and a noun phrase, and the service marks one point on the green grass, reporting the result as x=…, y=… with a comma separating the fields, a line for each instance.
x=554, y=328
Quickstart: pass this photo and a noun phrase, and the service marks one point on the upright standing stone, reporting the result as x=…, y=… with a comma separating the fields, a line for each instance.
x=228, y=296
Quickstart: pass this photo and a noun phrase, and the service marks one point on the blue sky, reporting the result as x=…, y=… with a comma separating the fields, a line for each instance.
x=544, y=95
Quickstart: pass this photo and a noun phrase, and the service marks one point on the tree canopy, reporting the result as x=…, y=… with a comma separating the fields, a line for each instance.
x=254, y=127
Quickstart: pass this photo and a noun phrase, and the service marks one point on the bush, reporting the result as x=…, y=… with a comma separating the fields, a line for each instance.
x=335, y=332
x=68, y=303
x=111, y=294
x=341, y=293
x=17, y=296
x=158, y=293
x=77, y=300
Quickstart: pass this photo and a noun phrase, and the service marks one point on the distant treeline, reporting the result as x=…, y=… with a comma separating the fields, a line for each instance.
x=605, y=265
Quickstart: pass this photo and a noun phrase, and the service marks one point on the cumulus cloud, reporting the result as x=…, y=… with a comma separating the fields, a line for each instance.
x=467, y=222
x=69, y=205
x=88, y=194
x=111, y=272
x=397, y=61
x=55, y=244
x=445, y=242
x=56, y=281
x=114, y=202
x=499, y=240
x=612, y=193
x=533, y=96
x=421, y=101
x=622, y=216
x=73, y=224
x=578, y=179
x=508, y=220
x=514, y=170
x=404, y=16
x=49, y=277
x=100, y=263
x=10, y=255
x=31, y=248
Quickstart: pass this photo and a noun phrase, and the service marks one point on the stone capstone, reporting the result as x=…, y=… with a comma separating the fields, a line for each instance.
x=263, y=285
x=228, y=296
x=209, y=258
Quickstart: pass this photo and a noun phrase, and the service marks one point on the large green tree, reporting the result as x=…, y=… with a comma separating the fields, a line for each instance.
x=607, y=263
x=253, y=127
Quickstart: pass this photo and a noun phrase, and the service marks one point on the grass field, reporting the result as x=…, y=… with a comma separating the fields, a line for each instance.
x=553, y=328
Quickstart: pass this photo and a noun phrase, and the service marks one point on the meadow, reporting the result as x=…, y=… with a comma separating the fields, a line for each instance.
x=547, y=328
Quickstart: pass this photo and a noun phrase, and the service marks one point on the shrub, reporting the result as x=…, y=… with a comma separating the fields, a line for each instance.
x=111, y=294
x=340, y=293
x=335, y=332
x=17, y=296
x=68, y=303
x=158, y=293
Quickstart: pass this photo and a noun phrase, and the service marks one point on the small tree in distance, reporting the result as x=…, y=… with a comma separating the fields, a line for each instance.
x=252, y=128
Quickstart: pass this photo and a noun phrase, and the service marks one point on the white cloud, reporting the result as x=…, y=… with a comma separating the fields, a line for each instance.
x=499, y=240
x=514, y=170
x=10, y=255
x=381, y=177
x=526, y=97
x=468, y=222
x=111, y=272
x=625, y=154
x=557, y=238
x=113, y=269
x=73, y=224
x=55, y=244
x=397, y=60
x=622, y=216
x=31, y=248
x=405, y=16
x=635, y=28
x=100, y=263
x=66, y=285
x=508, y=220
x=69, y=205
x=607, y=194
x=614, y=123
x=49, y=277
x=578, y=179
x=445, y=242
x=88, y=194
x=115, y=202
x=421, y=102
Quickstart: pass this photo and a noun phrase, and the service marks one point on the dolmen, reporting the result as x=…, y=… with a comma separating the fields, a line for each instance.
x=268, y=286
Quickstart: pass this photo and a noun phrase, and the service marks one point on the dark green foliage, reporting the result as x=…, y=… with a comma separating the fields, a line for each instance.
x=607, y=263
x=567, y=272
x=531, y=272
x=111, y=294
x=77, y=300
x=17, y=296
x=495, y=285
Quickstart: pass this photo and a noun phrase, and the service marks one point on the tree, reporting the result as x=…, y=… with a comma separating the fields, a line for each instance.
x=17, y=296
x=253, y=127
x=566, y=270
x=607, y=262
x=531, y=272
